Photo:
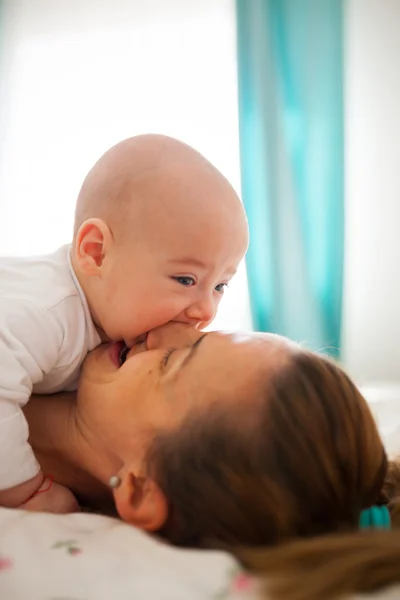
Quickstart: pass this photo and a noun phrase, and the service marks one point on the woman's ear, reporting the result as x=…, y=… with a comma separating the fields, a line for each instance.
x=141, y=502
x=92, y=242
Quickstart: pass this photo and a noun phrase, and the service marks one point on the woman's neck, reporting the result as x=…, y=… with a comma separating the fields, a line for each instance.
x=65, y=450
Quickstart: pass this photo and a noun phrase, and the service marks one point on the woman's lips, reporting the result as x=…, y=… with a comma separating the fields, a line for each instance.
x=114, y=352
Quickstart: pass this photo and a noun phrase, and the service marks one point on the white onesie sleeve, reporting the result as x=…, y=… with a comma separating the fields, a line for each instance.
x=30, y=340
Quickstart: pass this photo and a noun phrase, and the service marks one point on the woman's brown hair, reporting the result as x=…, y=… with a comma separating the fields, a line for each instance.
x=282, y=488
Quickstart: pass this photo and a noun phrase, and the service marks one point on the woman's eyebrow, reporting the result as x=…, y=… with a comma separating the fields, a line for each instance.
x=192, y=351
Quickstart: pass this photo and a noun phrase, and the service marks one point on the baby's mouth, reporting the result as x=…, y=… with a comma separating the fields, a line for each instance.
x=138, y=346
x=123, y=353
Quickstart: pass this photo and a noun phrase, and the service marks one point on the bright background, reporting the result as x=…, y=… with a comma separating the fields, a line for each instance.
x=79, y=75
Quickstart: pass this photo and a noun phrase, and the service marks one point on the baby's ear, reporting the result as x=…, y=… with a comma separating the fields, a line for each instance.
x=141, y=502
x=91, y=244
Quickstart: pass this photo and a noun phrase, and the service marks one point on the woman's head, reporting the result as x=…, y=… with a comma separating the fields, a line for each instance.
x=176, y=371
x=235, y=440
x=303, y=458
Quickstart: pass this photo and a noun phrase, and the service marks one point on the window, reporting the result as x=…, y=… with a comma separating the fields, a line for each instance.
x=79, y=75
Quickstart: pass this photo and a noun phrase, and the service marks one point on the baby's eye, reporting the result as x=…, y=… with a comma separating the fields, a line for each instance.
x=186, y=281
x=220, y=287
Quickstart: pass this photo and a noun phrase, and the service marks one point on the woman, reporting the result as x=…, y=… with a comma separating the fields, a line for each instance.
x=229, y=441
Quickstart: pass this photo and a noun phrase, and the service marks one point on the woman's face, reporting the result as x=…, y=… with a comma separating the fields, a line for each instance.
x=177, y=369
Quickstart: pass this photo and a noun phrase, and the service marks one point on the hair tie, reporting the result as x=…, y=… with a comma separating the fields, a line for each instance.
x=375, y=517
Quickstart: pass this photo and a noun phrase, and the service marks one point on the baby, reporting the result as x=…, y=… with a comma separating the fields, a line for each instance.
x=159, y=233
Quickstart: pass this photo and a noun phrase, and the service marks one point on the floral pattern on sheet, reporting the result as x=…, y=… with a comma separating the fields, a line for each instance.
x=65, y=550
x=5, y=563
x=240, y=585
x=70, y=546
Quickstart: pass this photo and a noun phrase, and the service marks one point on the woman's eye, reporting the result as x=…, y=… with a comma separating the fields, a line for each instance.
x=220, y=287
x=166, y=356
x=186, y=281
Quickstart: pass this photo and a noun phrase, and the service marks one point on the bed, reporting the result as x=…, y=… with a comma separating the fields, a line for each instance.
x=90, y=557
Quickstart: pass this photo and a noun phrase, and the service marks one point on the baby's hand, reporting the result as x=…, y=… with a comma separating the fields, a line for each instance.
x=13, y=497
x=54, y=498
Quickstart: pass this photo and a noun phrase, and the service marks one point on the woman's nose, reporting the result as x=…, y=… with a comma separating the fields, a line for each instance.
x=172, y=335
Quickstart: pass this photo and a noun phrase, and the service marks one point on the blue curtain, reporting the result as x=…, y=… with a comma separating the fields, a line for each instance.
x=291, y=142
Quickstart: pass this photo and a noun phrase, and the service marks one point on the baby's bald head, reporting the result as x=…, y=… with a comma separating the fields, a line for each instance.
x=159, y=232
x=152, y=176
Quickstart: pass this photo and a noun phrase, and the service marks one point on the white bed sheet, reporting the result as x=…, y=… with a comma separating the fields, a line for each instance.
x=89, y=557
x=384, y=400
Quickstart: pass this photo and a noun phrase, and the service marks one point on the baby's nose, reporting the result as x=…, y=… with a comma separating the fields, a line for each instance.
x=175, y=335
x=202, y=312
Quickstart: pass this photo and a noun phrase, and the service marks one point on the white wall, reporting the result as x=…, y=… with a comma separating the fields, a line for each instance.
x=371, y=333
x=79, y=75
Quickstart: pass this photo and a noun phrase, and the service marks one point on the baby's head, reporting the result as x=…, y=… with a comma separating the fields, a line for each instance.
x=159, y=232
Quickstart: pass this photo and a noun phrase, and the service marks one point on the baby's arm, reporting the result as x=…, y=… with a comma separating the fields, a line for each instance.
x=17, y=495
x=52, y=497
x=40, y=494
x=29, y=346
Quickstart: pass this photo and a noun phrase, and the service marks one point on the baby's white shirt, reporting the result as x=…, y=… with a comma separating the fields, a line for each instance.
x=46, y=331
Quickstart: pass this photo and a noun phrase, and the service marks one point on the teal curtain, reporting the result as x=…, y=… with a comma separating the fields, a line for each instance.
x=290, y=73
